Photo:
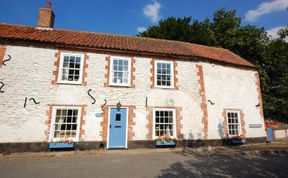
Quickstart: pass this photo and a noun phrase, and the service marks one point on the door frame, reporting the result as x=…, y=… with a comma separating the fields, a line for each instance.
x=108, y=126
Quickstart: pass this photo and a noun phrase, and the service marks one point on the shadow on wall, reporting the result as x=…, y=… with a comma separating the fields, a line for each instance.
x=224, y=165
x=222, y=135
x=191, y=142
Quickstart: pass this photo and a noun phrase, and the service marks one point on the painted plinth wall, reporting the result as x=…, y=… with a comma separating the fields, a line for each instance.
x=32, y=73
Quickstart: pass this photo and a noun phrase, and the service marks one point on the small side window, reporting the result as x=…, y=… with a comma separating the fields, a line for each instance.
x=233, y=123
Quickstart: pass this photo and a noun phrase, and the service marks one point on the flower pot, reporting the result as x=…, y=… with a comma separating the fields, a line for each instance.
x=165, y=144
x=61, y=145
x=238, y=141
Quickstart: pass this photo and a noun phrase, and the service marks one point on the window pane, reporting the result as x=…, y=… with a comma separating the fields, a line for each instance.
x=120, y=68
x=120, y=62
x=157, y=119
x=78, y=59
x=66, y=61
x=157, y=113
x=72, y=62
x=77, y=65
x=126, y=68
x=65, y=74
x=74, y=127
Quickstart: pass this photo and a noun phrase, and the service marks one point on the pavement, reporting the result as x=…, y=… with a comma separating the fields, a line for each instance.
x=258, y=160
x=249, y=149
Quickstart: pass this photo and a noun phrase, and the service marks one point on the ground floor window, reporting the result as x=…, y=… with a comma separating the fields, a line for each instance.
x=65, y=123
x=164, y=122
x=233, y=123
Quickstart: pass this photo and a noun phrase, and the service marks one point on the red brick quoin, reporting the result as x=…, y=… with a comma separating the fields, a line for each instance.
x=257, y=77
x=203, y=100
x=2, y=54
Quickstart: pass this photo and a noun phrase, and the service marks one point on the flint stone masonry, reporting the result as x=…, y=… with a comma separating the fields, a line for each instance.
x=30, y=73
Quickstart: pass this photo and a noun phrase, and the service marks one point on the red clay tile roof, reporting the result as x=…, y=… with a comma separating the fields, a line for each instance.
x=120, y=42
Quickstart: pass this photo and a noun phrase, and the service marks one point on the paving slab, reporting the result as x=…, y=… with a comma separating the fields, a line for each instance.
x=257, y=149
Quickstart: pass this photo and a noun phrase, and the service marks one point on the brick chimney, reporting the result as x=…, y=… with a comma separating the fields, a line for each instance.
x=46, y=17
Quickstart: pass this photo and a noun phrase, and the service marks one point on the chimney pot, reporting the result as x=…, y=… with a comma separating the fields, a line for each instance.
x=48, y=5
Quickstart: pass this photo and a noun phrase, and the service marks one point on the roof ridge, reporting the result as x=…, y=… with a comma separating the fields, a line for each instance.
x=121, y=35
x=120, y=42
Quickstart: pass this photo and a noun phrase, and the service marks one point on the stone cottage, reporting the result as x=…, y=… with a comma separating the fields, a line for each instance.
x=122, y=91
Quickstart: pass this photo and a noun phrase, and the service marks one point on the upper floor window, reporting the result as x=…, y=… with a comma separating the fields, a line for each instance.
x=71, y=68
x=233, y=123
x=164, y=74
x=120, y=71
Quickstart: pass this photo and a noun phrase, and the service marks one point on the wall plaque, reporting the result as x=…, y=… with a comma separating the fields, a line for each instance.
x=255, y=125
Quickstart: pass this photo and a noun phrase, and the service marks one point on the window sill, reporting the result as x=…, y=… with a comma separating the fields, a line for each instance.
x=68, y=83
x=61, y=145
x=165, y=88
x=120, y=86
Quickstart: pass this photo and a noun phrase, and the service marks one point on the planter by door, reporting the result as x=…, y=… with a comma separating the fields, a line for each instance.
x=117, y=128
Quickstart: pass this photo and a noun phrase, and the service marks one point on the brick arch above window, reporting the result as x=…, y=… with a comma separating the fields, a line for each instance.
x=2, y=54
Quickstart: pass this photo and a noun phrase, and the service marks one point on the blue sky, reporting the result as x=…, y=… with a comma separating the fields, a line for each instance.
x=129, y=16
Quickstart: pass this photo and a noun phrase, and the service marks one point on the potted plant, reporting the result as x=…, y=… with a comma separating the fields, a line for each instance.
x=165, y=141
x=63, y=142
x=238, y=140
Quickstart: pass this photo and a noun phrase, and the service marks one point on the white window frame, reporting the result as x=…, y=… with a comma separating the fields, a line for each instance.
x=52, y=124
x=112, y=58
x=239, y=121
x=61, y=67
x=155, y=73
x=174, y=120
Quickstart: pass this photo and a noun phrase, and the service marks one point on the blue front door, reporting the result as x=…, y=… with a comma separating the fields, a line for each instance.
x=117, y=128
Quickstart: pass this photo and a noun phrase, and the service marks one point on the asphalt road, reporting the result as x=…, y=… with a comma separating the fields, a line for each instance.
x=162, y=164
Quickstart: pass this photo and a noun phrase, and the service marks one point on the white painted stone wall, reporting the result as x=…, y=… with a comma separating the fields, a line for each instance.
x=231, y=88
x=30, y=72
x=280, y=134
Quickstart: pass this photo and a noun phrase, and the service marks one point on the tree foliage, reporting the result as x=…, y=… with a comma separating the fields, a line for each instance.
x=250, y=42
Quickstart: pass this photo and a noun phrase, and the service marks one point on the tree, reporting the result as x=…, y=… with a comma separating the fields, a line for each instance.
x=250, y=42
x=283, y=33
x=276, y=94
